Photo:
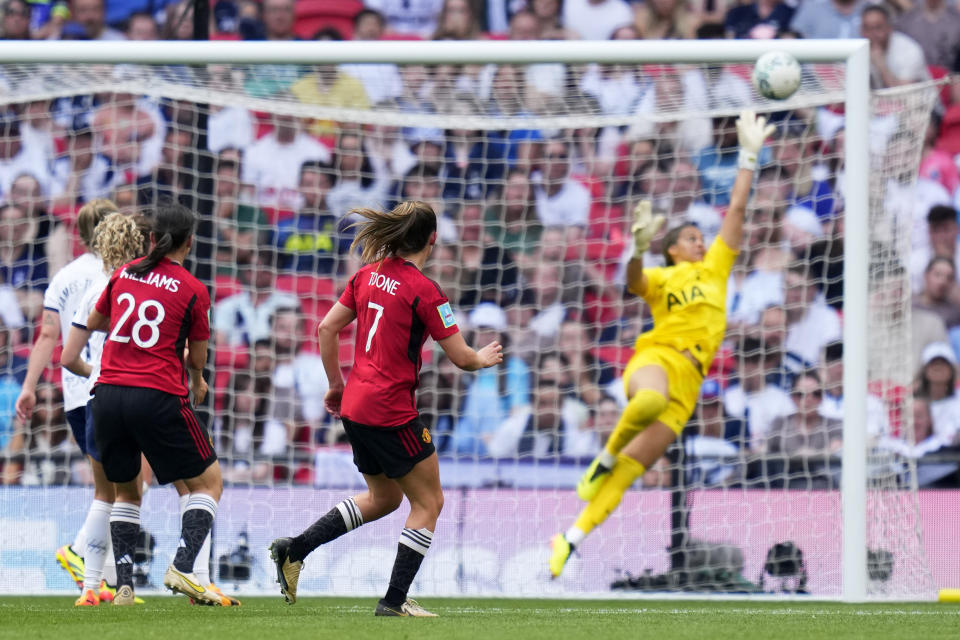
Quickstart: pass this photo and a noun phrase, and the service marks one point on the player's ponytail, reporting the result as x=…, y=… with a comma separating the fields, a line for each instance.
x=403, y=231
x=172, y=226
x=91, y=215
x=117, y=240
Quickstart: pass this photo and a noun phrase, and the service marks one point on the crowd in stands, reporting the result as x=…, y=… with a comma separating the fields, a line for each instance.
x=534, y=229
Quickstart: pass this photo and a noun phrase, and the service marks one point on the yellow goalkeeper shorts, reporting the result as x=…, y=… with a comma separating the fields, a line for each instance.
x=683, y=380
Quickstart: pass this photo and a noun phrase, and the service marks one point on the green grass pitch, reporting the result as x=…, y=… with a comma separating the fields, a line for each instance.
x=169, y=618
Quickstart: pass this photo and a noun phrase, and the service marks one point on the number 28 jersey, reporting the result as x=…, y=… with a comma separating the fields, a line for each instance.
x=397, y=307
x=151, y=318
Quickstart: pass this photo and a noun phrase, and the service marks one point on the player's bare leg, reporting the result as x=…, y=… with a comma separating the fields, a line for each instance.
x=381, y=498
x=639, y=454
x=648, y=393
x=422, y=488
x=198, y=515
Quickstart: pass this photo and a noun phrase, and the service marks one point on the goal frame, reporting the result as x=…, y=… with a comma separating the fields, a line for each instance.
x=853, y=53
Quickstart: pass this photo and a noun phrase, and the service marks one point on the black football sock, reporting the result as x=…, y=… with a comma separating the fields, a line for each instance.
x=197, y=520
x=124, y=530
x=341, y=519
x=413, y=546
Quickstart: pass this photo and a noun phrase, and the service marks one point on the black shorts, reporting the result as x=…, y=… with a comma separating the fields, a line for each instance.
x=164, y=427
x=77, y=419
x=389, y=450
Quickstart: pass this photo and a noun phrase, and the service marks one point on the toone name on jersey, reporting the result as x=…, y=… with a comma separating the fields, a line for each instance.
x=155, y=279
x=384, y=283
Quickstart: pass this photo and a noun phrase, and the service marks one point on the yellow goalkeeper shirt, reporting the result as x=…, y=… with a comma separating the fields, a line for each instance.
x=688, y=302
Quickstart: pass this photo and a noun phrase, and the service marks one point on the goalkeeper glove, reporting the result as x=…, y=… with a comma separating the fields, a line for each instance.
x=752, y=130
x=645, y=226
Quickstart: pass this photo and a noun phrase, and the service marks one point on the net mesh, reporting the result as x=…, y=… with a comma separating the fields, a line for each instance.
x=534, y=170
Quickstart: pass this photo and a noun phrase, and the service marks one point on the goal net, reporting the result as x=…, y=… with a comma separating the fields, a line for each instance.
x=533, y=171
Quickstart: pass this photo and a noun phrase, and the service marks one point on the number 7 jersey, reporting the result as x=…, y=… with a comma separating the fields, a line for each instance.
x=397, y=307
x=151, y=318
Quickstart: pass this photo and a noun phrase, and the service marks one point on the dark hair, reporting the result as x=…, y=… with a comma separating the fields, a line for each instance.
x=366, y=167
x=940, y=214
x=833, y=351
x=328, y=33
x=711, y=31
x=751, y=348
x=671, y=238
x=937, y=259
x=317, y=166
x=404, y=230
x=173, y=225
x=363, y=13
x=806, y=373
x=878, y=8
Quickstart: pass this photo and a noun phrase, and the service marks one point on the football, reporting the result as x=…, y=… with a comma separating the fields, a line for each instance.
x=776, y=75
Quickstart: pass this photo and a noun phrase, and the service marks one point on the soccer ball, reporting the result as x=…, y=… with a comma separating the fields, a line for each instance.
x=776, y=75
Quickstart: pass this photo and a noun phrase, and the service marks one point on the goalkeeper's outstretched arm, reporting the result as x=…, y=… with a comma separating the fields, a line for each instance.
x=752, y=130
x=645, y=226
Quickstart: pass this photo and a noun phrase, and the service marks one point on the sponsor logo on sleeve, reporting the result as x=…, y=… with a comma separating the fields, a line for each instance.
x=446, y=315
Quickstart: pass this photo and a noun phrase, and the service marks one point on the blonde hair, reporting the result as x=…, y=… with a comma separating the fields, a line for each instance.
x=404, y=230
x=92, y=214
x=117, y=240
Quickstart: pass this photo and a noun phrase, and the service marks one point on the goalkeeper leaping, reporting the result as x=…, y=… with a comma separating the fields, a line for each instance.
x=687, y=299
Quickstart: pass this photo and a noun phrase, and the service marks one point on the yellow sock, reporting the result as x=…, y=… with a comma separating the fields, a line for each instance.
x=602, y=505
x=644, y=407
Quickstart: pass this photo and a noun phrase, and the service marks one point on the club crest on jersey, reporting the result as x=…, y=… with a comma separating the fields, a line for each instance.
x=446, y=315
x=425, y=436
x=682, y=297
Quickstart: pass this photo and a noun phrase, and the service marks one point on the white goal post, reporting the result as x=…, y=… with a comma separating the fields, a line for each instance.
x=854, y=54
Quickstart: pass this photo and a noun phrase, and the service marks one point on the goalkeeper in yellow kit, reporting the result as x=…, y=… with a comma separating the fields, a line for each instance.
x=687, y=299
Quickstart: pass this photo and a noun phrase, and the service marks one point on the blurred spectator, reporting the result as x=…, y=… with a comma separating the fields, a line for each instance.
x=17, y=158
x=760, y=20
x=525, y=25
x=542, y=309
x=937, y=164
x=831, y=374
x=935, y=25
x=27, y=195
x=422, y=183
x=412, y=17
x=244, y=318
x=805, y=437
x=493, y=394
x=11, y=316
x=178, y=22
x=329, y=87
x=439, y=398
x=309, y=241
x=487, y=270
x=753, y=399
x=828, y=18
x=239, y=429
x=23, y=260
x=231, y=216
x=80, y=174
x=717, y=163
x=91, y=18
x=596, y=19
x=359, y=182
x=279, y=19
x=943, y=241
x=13, y=369
x=615, y=87
x=940, y=291
x=381, y=81
x=713, y=436
x=129, y=131
x=664, y=20
x=474, y=161
x=142, y=26
x=272, y=163
x=561, y=200
x=895, y=58
x=589, y=375
x=553, y=425
x=811, y=323
x=457, y=22
x=299, y=380
x=512, y=221
x=937, y=381
x=16, y=20
x=549, y=21
x=604, y=416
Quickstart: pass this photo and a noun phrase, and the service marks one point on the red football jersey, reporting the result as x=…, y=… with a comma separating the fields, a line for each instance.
x=151, y=318
x=397, y=307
